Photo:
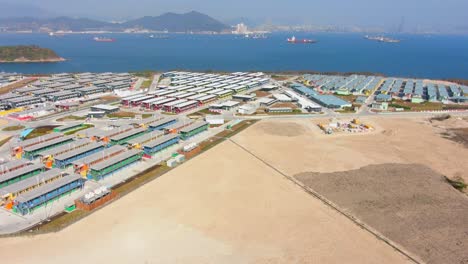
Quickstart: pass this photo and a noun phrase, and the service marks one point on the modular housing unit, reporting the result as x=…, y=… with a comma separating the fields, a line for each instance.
x=66, y=159
x=185, y=106
x=161, y=143
x=83, y=164
x=30, y=201
x=10, y=192
x=11, y=177
x=126, y=136
x=158, y=125
x=193, y=129
x=117, y=162
x=31, y=152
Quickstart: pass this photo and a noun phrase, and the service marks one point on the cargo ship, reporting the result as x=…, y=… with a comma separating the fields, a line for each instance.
x=99, y=39
x=301, y=41
x=382, y=39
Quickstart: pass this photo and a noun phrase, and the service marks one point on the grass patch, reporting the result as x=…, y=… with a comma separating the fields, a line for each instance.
x=457, y=183
x=227, y=133
x=145, y=74
x=144, y=116
x=346, y=110
x=5, y=140
x=8, y=88
x=40, y=131
x=399, y=106
x=280, y=77
x=349, y=98
x=409, y=106
x=140, y=179
x=13, y=128
x=146, y=84
x=57, y=223
x=205, y=112
x=71, y=118
x=83, y=127
x=455, y=107
x=294, y=112
x=122, y=114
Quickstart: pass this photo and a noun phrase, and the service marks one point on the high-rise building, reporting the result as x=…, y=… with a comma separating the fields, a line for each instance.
x=241, y=29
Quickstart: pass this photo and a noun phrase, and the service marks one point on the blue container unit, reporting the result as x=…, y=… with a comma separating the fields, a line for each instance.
x=160, y=144
x=29, y=201
x=158, y=125
x=66, y=159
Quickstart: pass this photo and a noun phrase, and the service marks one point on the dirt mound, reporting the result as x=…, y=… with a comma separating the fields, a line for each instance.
x=459, y=135
x=287, y=129
x=389, y=132
x=410, y=204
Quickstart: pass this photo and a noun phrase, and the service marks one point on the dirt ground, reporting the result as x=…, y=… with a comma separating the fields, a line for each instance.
x=292, y=105
x=410, y=204
x=221, y=207
x=259, y=93
x=225, y=206
x=298, y=145
x=454, y=128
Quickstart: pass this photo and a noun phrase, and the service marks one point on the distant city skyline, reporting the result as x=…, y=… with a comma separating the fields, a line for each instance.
x=396, y=15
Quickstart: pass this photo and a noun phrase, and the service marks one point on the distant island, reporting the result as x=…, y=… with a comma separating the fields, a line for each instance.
x=26, y=54
x=191, y=22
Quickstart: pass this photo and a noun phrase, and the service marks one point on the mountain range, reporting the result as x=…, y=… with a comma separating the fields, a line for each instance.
x=172, y=22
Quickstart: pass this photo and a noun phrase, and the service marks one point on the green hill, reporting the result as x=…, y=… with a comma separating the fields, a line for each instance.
x=27, y=54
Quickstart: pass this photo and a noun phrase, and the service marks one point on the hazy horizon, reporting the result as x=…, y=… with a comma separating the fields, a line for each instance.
x=395, y=15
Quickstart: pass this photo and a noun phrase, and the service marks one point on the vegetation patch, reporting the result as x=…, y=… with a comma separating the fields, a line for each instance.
x=145, y=74
x=458, y=135
x=347, y=110
x=71, y=118
x=281, y=77
x=409, y=106
x=399, y=106
x=13, y=128
x=40, y=131
x=122, y=114
x=203, y=113
x=349, y=98
x=5, y=140
x=56, y=223
x=146, y=84
x=27, y=54
x=457, y=183
x=16, y=85
x=83, y=127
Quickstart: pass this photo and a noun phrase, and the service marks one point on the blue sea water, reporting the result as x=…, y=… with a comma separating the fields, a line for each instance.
x=435, y=56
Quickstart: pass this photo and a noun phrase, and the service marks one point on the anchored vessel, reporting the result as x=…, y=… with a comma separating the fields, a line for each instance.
x=381, y=39
x=301, y=41
x=100, y=39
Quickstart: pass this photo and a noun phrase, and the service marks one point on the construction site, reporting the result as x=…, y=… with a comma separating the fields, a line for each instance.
x=189, y=170
x=353, y=126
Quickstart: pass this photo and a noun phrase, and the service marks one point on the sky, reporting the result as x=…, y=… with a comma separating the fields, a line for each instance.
x=386, y=13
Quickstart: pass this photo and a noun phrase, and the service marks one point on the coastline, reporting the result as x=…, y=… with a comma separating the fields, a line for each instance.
x=34, y=61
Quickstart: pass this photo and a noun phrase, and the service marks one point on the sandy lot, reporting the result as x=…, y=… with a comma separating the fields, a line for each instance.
x=297, y=145
x=227, y=207
x=221, y=207
x=410, y=204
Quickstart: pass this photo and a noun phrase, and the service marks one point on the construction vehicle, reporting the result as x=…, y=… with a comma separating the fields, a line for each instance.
x=356, y=121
